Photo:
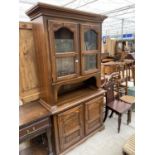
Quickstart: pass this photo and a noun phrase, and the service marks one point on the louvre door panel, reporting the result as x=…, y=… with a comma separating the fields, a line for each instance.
x=70, y=124
x=93, y=114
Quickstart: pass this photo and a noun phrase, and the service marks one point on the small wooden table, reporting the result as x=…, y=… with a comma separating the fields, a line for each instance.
x=34, y=120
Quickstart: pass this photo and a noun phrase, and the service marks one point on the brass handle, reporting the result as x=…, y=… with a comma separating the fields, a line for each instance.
x=28, y=131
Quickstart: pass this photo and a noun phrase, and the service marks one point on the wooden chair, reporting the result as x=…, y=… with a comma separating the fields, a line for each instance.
x=120, y=88
x=116, y=106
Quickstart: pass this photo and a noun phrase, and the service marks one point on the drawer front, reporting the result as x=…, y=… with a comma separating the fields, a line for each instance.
x=34, y=127
x=93, y=114
x=70, y=124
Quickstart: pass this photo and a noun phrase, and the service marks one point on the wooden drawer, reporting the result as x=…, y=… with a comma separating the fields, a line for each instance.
x=33, y=128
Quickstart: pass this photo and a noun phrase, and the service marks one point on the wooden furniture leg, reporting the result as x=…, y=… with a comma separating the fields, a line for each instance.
x=119, y=122
x=111, y=114
x=49, y=141
x=129, y=72
x=129, y=116
x=106, y=114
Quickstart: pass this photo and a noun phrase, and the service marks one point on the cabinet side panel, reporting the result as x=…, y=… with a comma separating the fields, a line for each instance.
x=28, y=78
x=43, y=60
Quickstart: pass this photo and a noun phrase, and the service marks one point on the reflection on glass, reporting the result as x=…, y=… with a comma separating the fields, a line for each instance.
x=64, y=40
x=90, y=40
x=90, y=62
x=65, y=66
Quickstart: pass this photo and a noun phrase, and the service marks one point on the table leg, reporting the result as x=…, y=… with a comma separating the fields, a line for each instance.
x=49, y=141
x=129, y=116
x=119, y=122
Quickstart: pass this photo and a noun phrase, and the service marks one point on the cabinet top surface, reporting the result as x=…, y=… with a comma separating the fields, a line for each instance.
x=31, y=112
x=76, y=98
x=52, y=10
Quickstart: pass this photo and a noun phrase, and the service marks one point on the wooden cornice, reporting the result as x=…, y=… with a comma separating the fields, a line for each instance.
x=42, y=9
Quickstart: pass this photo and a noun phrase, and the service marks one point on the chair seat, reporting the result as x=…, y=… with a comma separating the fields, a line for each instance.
x=119, y=106
x=129, y=147
x=128, y=99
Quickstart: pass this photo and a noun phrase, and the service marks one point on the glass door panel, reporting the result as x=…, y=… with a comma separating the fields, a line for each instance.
x=64, y=40
x=90, y=40
x=65, y=66
x=90, y=62
x=90, y=49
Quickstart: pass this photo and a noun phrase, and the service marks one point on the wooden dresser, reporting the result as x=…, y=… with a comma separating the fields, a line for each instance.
x=68, y=59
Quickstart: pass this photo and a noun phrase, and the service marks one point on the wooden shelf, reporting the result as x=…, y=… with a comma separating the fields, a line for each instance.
x=76, y=97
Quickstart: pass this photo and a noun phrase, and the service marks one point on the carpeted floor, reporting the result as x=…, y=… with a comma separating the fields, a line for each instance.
x=108, y=141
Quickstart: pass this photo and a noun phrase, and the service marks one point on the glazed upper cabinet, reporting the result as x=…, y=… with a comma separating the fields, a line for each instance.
x=68, y=47
x=90, y=48
x=64, y=51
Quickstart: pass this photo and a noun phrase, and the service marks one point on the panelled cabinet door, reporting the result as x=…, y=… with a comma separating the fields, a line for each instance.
x=90, y=48
x=93, y=114
x=64, y=50
x=70, y=125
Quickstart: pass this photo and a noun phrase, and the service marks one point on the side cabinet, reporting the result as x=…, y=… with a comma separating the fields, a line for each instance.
x=70, y=126
x=93, y=114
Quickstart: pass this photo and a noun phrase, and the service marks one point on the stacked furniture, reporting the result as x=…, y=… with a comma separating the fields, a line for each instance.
x=68, y=49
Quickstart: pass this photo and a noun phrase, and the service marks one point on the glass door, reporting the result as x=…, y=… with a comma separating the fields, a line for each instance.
x=90, y=48
x=64, y=50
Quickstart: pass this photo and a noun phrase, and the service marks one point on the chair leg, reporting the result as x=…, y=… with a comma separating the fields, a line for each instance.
x=119, y=122
x=129, y=116
x=111, y=114
x=106, y=114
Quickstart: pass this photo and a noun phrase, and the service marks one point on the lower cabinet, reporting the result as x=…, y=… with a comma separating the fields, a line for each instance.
x=70, y=126
x=93, y=114
x=78, y=122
